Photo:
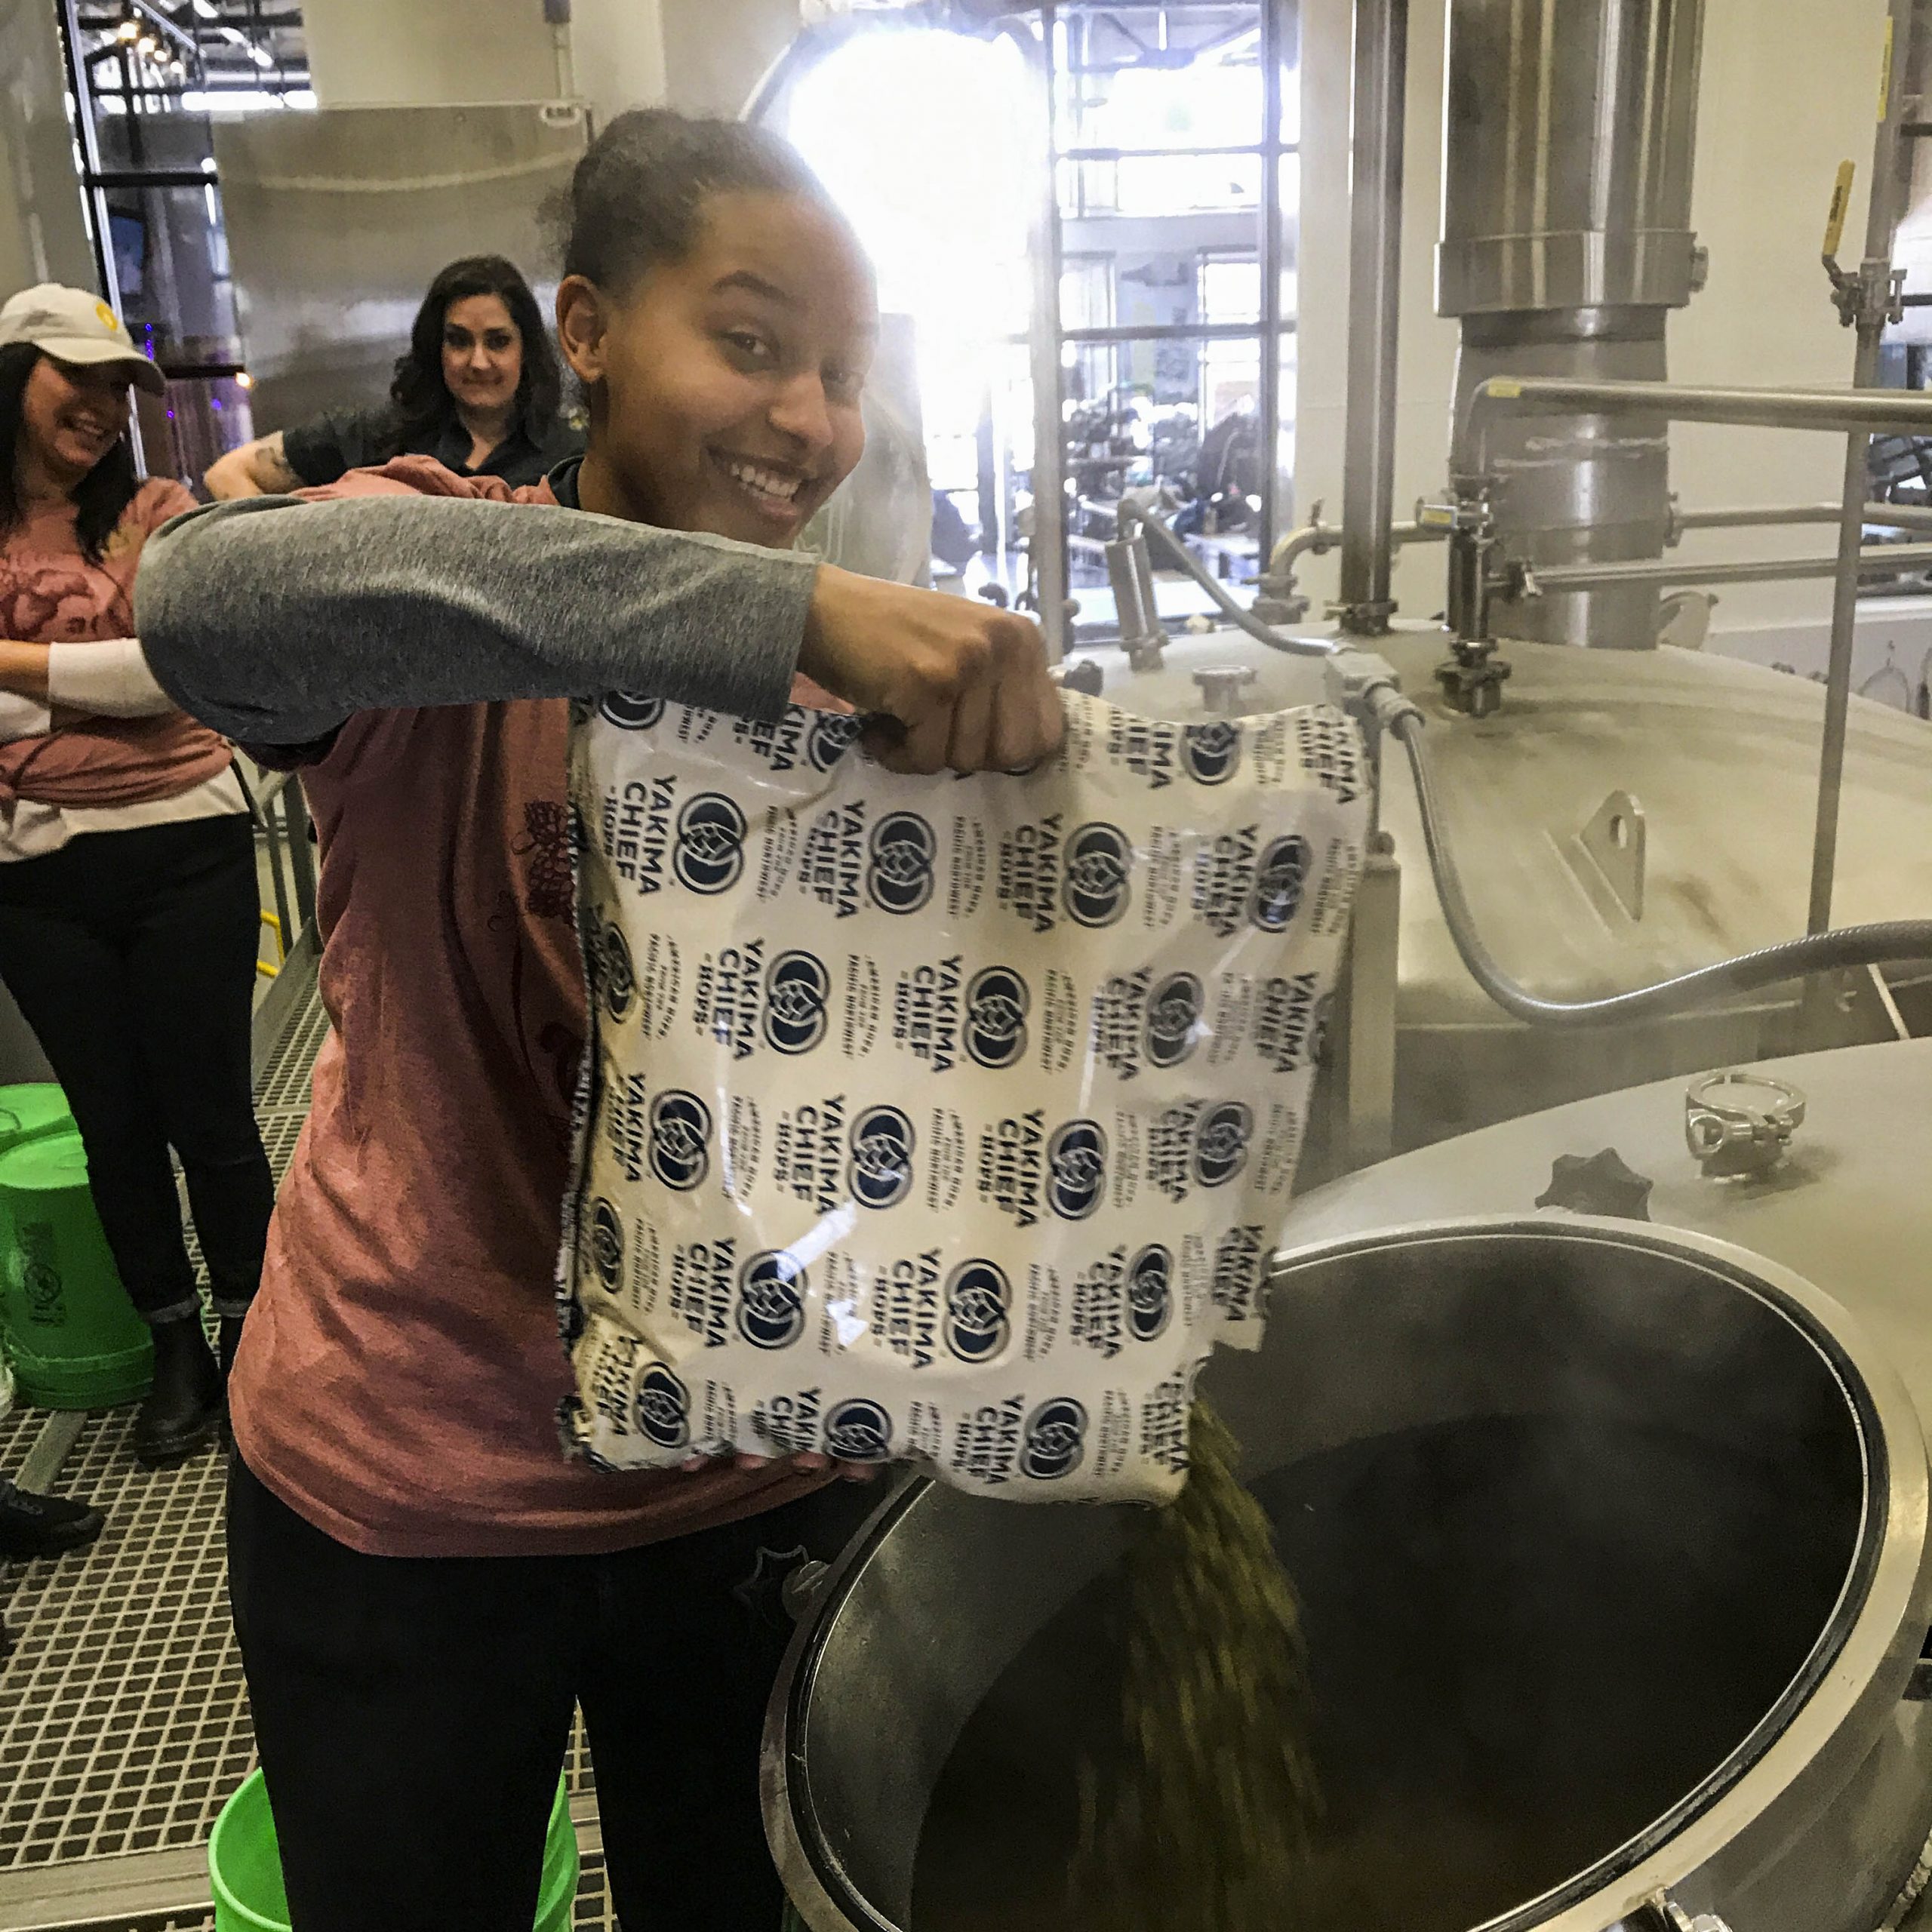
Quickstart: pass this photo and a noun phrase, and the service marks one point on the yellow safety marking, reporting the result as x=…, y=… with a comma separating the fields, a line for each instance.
x=1840, y=207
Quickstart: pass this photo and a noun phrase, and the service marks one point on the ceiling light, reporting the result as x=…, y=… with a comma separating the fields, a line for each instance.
x=126, y=30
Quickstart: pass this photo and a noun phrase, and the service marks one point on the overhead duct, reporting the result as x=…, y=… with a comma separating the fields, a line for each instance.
x=1570, y=127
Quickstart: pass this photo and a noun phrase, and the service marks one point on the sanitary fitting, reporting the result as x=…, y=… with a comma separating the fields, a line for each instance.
x=1130, y=576
x=1223, y=689
x=1370, y=618
x=1738, y=1123
x=1472, y=677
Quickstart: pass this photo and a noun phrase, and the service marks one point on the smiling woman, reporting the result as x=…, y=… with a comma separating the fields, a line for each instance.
x=478, y=388
x=128, y=894
x=423, y=1586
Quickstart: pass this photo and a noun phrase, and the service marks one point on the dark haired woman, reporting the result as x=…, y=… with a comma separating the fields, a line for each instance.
x=478, y=388
x=129, y=907
x=423, y=1586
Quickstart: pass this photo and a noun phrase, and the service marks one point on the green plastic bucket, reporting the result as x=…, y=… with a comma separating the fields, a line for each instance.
x=73, y=1335
x=244, y=1867
x=31, y=1109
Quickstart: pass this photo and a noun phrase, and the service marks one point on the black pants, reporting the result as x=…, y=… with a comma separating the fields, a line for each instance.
x=132, y=955
x=413, y=1714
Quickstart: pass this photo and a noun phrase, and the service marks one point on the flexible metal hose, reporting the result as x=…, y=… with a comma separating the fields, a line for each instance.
x=1893, y=942
x=1295, y=647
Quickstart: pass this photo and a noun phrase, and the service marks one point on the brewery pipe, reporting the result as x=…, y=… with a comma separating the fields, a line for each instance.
x=1867, y=302
x=1908, y=412
x=1871, y=560
x=1375, y=239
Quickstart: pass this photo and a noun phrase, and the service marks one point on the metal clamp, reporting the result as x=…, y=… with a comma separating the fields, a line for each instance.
x=1738, y=1123
x=1674, y=1918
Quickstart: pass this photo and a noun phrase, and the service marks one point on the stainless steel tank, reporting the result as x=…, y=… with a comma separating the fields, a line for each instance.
x=1612, y=1548
x=1719, y=759
x=1569, y=127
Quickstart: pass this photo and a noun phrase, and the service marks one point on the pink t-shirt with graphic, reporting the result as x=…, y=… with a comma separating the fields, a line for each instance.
x=400, y=1372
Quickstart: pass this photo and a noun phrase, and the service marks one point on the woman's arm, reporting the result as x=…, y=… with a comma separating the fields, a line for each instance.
x=260, y=468
x=106, y=678
x=274, y=620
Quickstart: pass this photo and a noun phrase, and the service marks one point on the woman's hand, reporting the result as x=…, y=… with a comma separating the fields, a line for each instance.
x=967, y=684
x=810, y=1463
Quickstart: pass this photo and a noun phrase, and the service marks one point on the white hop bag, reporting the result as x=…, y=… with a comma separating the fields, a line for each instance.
x=943, y=1121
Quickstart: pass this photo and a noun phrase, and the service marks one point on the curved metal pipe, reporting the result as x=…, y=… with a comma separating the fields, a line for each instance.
x=1133, y=519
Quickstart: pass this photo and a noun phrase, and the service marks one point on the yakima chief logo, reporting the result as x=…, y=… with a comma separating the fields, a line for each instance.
x=796, y=988
x=630, y=711
x=1174, y=1019
x=1056, y=1435
x=607, y=1245
x=880, y=1171
x=996, y=1003
x=1211, y=752
x=663, y=1408
x=859, y=1431
x=1220, y=1142
x=680, y=1140
x=616, y=984
x=711, y=843
x=977, y=1298
x=1278, y=880
x=832, y=735
x=771, y=1300
x=899, y=876
x=1095, y=888
x=1150, y=1277
x=1077, y=1159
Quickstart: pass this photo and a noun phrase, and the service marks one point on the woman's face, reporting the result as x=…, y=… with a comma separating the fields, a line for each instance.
x=725, y=387
x=482, y=352
x=72, y=414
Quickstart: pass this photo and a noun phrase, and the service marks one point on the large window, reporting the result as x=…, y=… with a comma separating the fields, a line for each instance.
x=1162, y=158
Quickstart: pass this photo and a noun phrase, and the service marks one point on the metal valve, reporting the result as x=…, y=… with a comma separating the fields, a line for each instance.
x=1738, y=1123
x=1223, y=689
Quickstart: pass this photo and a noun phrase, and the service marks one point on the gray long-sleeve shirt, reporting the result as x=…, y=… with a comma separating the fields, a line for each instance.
x=274, y=620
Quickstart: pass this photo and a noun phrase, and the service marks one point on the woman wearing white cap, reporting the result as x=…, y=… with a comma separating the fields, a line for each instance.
x=129, y=907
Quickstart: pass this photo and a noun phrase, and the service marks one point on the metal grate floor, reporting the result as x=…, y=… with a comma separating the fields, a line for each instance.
x=124, y=1716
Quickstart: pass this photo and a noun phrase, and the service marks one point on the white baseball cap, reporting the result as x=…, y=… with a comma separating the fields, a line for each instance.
x=72, y=326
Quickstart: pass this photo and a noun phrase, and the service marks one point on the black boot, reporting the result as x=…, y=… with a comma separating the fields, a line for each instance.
x=183, y=1411
x=31, y=1525
x=228, y=1340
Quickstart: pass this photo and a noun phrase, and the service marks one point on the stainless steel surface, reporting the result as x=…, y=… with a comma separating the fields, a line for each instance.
x=1718, y=751
x=1876, y=308
x=1570, y=128
x=1874, y=560
x=1567, y=434
x=337, y=220
x=1375, y=243
x=1678, y=1694
x=1582, y=487
x=1613, y=843
x=1740, y=1123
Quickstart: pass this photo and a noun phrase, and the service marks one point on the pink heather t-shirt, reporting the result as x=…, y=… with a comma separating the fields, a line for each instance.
x=400, y=1371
